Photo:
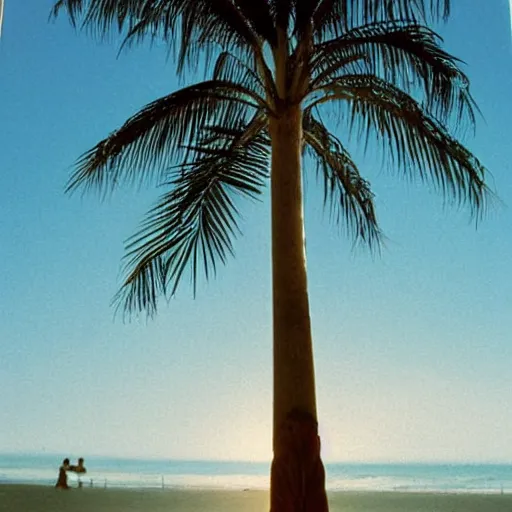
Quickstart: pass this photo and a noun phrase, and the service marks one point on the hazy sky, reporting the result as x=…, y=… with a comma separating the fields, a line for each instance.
x=413, y=348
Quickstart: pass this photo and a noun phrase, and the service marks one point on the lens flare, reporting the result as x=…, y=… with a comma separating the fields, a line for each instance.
x=510, y=12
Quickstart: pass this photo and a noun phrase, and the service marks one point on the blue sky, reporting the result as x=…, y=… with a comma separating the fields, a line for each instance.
x=413, y=347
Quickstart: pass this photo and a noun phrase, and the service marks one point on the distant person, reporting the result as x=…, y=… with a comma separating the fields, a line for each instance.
x=80, y=469
x=62, y=480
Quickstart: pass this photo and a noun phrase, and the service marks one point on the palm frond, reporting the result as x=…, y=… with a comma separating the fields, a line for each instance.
x=156, y=19
x=332, y=18
x=228, y=67
x=190, y=27
x=193, y=226
x=329, y=19
x=406, y=54
x=418, y=143
x=101, y=15
x=150, y=140
x=196, y=27
x=347, y=194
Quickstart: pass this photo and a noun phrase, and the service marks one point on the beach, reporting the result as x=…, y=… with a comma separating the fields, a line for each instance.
x=37, y=498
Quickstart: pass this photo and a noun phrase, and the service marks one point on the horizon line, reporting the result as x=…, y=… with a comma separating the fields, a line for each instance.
x=160, y=458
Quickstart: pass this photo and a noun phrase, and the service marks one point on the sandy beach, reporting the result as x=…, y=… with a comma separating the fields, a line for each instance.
x=31, y=498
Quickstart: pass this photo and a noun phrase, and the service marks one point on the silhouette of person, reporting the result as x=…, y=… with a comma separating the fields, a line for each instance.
x=62, y=480
x=79, y=468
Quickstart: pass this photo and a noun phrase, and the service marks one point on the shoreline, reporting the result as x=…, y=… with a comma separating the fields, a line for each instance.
x=199, y=488
x=45, y=498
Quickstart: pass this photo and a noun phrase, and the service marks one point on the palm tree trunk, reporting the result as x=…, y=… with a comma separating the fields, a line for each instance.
x=297, y=475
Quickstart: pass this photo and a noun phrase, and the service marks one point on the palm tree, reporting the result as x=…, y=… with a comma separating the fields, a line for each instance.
x=274, y=67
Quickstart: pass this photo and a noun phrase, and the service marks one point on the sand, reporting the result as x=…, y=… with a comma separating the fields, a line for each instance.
x=31, y=498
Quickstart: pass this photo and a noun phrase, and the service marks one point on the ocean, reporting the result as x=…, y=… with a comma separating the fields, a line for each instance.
x=139, y=473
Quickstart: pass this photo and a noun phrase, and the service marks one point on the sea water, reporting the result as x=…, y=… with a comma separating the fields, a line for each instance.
x=140, y=473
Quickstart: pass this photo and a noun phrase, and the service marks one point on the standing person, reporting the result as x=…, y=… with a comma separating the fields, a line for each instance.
x=80, y=468
x=62, y=480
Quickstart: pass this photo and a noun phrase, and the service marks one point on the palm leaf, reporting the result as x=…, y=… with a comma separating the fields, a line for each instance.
x=417, y=142
x=190, y=27
x=193, y=225
x=403, y=53
x=152, y=139
x=228, y=67
x=204, y=26
x=335, y=17
x=349, y=196
x=101, y=15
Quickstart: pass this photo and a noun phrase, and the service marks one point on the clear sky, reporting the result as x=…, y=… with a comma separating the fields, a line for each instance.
x=413, y=348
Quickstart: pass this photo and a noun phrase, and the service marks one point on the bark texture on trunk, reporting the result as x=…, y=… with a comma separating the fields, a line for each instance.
x=297, y=474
